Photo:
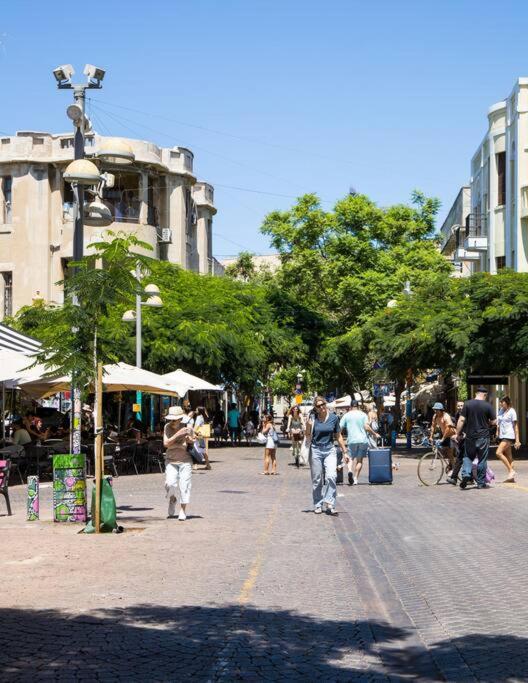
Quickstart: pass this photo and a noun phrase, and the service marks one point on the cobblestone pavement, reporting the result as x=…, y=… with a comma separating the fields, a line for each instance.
x=408, y=583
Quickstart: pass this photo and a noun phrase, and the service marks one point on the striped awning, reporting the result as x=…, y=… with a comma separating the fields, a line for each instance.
x=16, y=341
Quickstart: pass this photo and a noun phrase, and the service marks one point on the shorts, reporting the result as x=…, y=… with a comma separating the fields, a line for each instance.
x=357, y=450
x=234, y=431
x=503, y=438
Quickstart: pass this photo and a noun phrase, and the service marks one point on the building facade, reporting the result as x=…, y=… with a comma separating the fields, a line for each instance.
x=452, y=235
x=499, y=187
x=157, y=197
x=492, y=232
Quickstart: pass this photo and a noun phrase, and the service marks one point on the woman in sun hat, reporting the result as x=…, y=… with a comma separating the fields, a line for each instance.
x=178, y=462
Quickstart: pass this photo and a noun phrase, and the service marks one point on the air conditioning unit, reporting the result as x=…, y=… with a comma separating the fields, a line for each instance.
x=165, y=237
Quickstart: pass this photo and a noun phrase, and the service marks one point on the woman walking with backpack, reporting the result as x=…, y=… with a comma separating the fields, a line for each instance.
x=270, y=447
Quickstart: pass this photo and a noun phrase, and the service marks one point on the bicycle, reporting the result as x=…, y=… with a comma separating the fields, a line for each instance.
x=432, y=466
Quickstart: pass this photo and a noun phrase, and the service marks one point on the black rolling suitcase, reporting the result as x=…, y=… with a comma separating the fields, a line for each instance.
x=380, y=465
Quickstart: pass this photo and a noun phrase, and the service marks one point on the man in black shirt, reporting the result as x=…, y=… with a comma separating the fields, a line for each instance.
x=476, y=419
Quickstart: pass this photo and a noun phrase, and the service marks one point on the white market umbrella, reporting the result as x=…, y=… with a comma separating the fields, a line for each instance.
x=116, y=377
x=14, y=366
x=192, y=382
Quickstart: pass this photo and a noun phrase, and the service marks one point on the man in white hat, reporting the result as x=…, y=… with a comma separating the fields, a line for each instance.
x=178, y=462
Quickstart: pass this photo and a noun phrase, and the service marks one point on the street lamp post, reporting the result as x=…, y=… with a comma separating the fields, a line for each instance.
x=408, y=403
x=154, y=301
x=94, y=76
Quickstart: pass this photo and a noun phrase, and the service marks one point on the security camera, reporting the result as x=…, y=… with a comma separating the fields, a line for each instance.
x=63, y=73
x=94, y=73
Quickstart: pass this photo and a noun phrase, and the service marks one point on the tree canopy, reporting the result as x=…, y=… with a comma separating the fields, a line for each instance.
x=344, y=265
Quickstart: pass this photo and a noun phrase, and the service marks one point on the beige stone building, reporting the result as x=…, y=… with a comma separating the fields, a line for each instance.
x=158, y=197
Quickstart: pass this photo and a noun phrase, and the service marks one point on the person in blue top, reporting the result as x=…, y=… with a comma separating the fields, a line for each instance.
x=321, y=432
x=233, y=422
x=356, y=423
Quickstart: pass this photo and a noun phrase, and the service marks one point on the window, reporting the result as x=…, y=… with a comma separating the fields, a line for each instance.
x=6, y=187
x=209, y=238
x=500, y=262
x=501, y=178
x=123, y=199
x=65, y=143
x=7, y=283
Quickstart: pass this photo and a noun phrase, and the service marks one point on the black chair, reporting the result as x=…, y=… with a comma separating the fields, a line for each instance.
x=38, y=460
x=109, y=457
x=155, y=456
x=17, y=456
x=5, y=466
x=126, y=455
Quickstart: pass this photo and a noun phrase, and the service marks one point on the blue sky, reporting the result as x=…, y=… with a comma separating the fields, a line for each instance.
x=280, y=97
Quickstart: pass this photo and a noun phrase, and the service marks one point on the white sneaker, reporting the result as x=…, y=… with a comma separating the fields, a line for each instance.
x=510, y=478
x=182, y=516
x=355, y=479
x=172, y=506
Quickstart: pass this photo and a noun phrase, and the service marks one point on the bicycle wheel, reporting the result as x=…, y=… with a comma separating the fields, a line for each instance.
x=430, y=468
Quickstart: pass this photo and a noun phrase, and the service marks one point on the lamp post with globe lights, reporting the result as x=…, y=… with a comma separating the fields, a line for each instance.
x=409, y=376
x=154, y=301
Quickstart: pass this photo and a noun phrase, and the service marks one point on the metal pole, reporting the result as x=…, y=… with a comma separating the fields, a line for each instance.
x=138, y=340
x=3, y=414
x=98, y=445
x=138, y=331
x=78, y=249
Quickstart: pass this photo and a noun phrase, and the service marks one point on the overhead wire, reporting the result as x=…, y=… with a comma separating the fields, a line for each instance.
x=120, y=119
x=234, y=136
x=232, y=187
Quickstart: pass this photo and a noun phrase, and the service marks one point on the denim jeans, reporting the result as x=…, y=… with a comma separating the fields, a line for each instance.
x=476, y=448
x=324, y=459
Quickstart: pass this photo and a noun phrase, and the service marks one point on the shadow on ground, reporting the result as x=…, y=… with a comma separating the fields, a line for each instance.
x=155, y=643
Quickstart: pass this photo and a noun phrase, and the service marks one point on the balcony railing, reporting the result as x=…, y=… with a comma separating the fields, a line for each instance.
x=476, y=232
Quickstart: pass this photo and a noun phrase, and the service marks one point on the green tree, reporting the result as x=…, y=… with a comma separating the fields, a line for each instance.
x=74, y=334
x=243, y=268
x=345, y=264
x=499, y=341
x=219, y=328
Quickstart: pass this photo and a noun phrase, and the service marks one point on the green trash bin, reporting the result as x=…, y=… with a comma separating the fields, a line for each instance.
x=69, y=488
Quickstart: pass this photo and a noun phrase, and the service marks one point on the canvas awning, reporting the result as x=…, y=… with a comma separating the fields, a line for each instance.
x=16, y=341
x=192, y=382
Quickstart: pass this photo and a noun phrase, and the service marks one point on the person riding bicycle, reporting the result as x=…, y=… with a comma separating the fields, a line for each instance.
x=443, y=422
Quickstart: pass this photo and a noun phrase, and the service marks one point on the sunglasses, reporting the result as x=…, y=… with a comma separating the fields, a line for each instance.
x=320, y=405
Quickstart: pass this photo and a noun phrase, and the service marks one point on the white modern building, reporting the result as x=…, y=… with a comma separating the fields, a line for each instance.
x=157, y=197
x=487, y=227
x=497, y=228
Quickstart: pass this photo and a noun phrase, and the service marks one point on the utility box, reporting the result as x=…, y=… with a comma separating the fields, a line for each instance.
x=69, y=488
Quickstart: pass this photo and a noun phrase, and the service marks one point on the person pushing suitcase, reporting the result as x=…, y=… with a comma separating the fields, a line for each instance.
x=357, y=425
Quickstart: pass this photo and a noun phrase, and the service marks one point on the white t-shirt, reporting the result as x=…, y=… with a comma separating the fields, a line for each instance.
x=506, y=420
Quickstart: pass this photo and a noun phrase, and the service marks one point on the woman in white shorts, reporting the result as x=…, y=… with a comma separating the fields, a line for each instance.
x=270, y=447
x=508, y=428
x=178, y=462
